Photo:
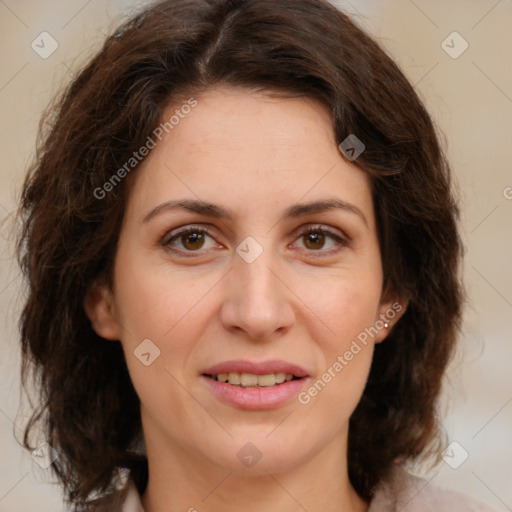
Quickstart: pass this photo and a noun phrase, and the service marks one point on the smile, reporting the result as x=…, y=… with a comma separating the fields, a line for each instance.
x=253, y=381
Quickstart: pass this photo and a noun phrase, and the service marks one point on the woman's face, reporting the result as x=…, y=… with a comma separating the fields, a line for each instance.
x=256, y=295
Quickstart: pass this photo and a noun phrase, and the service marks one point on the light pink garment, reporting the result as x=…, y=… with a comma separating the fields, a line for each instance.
x=402, y=492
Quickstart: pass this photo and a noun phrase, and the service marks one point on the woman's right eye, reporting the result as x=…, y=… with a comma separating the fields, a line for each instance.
x=189, y=239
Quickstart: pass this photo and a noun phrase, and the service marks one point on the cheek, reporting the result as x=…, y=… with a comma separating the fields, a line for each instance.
x=160, y=306
x=346, y=313
x=156, y=302
x=166, y=310
x=346, y=304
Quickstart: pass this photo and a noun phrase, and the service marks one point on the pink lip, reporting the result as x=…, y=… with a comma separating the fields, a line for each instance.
x=252, y=398
x=255, y=399
x=262, y=368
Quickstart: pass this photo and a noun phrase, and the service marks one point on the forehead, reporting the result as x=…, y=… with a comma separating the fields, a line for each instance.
x=233, y=122
x=251, y=151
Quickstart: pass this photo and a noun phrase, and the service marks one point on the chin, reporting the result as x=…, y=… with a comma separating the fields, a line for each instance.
x=259, y=455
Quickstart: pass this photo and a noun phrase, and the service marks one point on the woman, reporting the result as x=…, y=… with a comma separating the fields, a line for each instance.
x=242, y=252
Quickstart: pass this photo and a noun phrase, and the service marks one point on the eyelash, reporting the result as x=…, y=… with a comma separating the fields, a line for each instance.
x=204, y=230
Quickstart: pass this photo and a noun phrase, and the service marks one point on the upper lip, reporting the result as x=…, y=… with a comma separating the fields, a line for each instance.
x=256, y=368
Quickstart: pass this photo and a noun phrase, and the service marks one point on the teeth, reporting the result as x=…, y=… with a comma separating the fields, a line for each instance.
x=249, y=380
x=280, y=377
x=266, y=380
x=234, y=378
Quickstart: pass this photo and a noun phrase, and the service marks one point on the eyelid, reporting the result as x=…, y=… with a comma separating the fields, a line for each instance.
x=337, y=235
x=336, y=232
x=183, y=230
x=341, y=239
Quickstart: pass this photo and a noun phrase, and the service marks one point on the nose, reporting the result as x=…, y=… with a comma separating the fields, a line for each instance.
x=258, y=301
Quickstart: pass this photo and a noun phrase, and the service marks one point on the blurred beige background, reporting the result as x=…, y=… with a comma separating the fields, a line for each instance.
x=469, y=94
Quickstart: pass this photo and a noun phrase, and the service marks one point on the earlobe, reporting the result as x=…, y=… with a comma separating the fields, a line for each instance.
x=98, y=306
x=390, y=313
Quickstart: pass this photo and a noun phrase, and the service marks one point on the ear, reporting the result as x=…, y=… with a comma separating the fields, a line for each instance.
x=391, y=309
x=98, y=306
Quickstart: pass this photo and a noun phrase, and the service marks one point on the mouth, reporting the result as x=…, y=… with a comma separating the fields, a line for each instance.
x=255, y=385
x=253, y=381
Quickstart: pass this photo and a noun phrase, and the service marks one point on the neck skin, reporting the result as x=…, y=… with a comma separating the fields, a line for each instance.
x=182, y=481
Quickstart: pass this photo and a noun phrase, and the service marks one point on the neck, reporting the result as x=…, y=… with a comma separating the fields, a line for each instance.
x=181, y=481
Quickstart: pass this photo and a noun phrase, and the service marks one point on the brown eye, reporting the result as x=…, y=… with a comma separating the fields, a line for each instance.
x=188, y=240
x=192, y=241
x=314, y=240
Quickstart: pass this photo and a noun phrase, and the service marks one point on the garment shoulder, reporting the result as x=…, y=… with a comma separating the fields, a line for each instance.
x=407, y=493
x=126, y=499
x=433, y=497
x=132, y=502
x=401, y=492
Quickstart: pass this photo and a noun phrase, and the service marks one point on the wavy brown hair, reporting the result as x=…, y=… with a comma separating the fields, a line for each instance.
x=88, y=407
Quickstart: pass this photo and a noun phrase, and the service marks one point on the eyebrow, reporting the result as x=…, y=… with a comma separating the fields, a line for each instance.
x=220, y=212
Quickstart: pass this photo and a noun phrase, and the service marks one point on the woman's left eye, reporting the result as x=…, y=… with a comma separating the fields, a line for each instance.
x=193, y=238
x=317, y=235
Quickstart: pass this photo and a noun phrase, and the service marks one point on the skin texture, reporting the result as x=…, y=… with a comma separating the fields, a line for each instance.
x=257, y=156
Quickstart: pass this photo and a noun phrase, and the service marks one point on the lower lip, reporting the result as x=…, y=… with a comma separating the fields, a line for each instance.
x=256, y=399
